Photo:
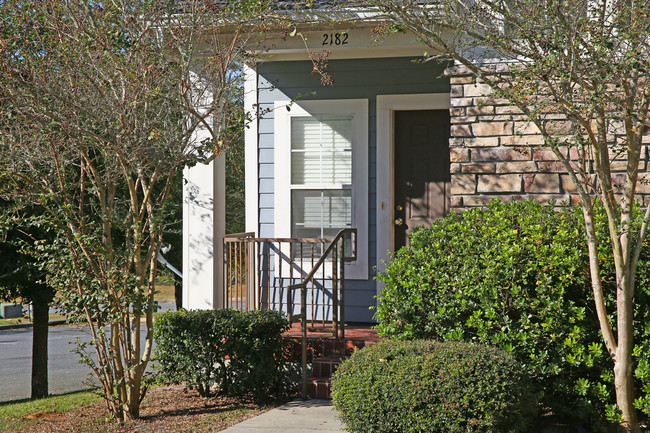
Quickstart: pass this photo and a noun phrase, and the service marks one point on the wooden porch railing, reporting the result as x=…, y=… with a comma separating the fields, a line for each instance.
x=266, y=273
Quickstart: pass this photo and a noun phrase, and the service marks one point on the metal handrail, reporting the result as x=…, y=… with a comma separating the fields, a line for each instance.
x=239, y=236
x=339, y=238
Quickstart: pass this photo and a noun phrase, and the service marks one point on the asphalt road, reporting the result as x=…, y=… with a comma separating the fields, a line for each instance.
x=66, y=374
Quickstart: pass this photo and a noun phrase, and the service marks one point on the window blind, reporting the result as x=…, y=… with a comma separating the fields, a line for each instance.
x=318, y=214
x=321, y=150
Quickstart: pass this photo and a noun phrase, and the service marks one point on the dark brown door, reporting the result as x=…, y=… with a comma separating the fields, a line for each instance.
x=422, y=179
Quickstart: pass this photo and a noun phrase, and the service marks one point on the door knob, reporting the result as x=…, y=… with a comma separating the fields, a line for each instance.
x=398, y=208
x=399, y=222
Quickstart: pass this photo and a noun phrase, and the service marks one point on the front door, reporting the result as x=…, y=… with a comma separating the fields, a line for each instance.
x=422, y=179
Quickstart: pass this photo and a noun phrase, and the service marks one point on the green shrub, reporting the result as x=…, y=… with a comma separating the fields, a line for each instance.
x=238, y=352
x=516, y=276
x=426, y=386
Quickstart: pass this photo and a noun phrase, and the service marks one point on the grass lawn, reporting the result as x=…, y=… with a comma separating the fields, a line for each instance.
x=19, y=415
x=163, y=409
x=165, y=293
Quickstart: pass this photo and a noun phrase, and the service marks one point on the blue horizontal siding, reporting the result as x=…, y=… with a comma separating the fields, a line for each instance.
x=267, y=201
x=266, y=215
x=266, y=156
x=265, y=141
x=266, y=170
x=265, y=125
x=267, y=230
x=266, y=186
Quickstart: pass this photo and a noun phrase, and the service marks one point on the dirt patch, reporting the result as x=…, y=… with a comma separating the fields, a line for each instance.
x=163, y=410
x=44, y=415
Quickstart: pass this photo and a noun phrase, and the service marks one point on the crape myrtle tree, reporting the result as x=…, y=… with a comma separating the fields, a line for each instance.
x=588, y=61
x=102, y=103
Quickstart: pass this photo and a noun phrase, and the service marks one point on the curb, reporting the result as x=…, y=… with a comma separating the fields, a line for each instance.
x=30, y=325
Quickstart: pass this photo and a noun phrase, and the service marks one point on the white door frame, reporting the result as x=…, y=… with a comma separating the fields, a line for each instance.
x=386, y=107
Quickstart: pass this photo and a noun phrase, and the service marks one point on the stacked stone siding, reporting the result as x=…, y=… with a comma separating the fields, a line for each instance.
x=496, y=153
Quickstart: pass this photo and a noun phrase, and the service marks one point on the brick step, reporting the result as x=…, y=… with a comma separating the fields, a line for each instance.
x=346, y=346
x=325, y=366
x=319, y=387
x=317, y=347
x=325, y=353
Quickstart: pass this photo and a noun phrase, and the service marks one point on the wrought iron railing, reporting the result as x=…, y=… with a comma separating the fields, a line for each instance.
x=270, y=273
x=259, y=271
x=337, y=251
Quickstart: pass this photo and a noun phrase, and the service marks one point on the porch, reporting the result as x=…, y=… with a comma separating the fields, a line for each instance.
x=304, y=278
x=282, y=273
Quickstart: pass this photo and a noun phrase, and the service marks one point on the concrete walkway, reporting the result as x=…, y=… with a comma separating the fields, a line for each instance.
x=297, y=416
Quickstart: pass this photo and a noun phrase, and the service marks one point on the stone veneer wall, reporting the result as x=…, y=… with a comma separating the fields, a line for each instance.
x=496, y=153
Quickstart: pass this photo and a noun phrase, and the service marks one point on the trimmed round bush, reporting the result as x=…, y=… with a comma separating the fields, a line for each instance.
x=231, y=352
x=427, y=386
x=516, y=276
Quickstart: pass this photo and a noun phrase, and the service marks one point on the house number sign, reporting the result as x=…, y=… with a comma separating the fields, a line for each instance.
x=335, y=39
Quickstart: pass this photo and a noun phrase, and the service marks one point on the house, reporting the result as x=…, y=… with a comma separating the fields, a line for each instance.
x=394, y=143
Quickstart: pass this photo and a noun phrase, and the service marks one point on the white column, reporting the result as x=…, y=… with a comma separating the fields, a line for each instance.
x=204, y=226
x=204, y=223
x=219, y=229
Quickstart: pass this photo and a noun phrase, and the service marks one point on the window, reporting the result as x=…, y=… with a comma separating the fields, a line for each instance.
x=321, y=172
x=321, y=160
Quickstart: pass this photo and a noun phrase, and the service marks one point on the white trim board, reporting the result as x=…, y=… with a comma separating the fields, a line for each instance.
x=250, y=151
x=352, y=43
x=358, y=108
x=386, y=107
x=297, y=54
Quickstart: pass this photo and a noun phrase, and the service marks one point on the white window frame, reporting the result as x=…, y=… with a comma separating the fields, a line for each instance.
x=284, y=111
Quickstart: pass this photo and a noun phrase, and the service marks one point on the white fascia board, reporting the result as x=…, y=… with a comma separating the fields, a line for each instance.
x=360, y=42
x=354, y=53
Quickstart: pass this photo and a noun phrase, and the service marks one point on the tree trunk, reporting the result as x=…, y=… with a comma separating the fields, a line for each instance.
x=624, y=383
x=134, y=400
x=623, y=366
x=39, y=349
x=178, y=291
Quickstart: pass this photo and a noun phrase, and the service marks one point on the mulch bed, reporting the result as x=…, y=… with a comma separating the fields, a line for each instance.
x=163, y=410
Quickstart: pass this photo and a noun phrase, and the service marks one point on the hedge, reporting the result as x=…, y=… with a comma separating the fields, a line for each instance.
x=233, y=352
x=516, y=276
x=426, y=386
